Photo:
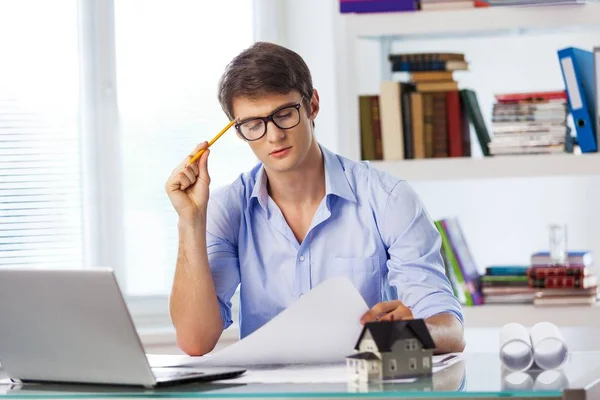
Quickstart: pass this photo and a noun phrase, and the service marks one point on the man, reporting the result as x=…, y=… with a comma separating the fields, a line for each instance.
x=301, y=216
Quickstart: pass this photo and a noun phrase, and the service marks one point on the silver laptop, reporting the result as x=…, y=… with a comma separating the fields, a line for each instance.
x=74, y=326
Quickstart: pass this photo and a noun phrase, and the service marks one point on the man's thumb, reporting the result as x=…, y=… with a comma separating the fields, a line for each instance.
x=203, y=166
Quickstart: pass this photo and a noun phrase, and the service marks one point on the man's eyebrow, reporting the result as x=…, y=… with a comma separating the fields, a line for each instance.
x=288, y=104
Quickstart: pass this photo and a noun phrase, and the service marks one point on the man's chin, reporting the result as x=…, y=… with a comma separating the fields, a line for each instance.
x=285, y=165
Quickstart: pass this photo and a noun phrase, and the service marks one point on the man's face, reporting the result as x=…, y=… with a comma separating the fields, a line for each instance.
x=284, y=147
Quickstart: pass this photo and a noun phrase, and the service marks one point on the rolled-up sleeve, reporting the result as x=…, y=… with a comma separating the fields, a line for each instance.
x=415, y=265
x=222, y=252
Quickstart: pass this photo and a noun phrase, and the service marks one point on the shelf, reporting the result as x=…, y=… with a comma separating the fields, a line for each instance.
x=474, y=22
x=497, y=315
x=493, y=167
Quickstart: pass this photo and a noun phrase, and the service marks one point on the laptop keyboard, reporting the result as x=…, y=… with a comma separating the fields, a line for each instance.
x=166, y=373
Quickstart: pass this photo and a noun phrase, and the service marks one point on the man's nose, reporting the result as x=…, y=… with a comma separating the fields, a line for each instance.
x=274, y=134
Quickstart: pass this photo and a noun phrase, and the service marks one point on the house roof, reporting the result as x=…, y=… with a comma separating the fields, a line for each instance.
x=365, y=355
x=386, y=333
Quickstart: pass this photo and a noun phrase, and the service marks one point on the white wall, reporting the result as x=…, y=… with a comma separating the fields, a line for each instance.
x=505, y=220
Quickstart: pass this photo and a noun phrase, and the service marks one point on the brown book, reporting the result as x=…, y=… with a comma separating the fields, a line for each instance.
x=455, y=140
x=376, y=127
x=367, y=139
x=428, y=124
x=424, y=87
x=440, y=130
x=416, y=103
x=431, y=76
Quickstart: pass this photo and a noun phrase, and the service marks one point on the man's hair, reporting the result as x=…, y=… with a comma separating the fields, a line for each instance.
x=264, y=68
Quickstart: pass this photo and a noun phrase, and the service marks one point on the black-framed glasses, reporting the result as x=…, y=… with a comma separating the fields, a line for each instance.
x=286, y=117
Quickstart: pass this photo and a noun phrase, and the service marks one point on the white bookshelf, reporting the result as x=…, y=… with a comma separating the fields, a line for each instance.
x=388, y=28
x=497, y=315
x=492, y=167
x=476, y=21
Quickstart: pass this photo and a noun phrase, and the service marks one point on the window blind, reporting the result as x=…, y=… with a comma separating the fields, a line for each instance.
x=168, y=69
x=40, y=184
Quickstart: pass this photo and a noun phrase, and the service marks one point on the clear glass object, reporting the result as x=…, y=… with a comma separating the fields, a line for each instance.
x=558, y=244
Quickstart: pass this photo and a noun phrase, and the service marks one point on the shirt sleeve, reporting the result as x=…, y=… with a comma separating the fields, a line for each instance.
x=415, y=264
x=221, y=245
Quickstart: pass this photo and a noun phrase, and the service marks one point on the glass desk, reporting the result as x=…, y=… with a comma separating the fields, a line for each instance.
x=476, y=376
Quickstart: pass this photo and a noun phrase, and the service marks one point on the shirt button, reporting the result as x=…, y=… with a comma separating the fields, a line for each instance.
x=301, y=258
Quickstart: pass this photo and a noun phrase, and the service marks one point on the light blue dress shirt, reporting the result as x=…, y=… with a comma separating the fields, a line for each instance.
x=370, y=227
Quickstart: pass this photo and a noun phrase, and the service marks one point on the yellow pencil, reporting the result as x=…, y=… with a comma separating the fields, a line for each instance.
x=197, y=156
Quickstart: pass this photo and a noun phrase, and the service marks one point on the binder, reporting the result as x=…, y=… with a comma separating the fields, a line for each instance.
x=597, y=81
x=577, y=68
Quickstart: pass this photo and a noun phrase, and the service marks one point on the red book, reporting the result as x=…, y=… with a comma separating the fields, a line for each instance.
x=531, y=96
x=455, y=140
x=546, y=272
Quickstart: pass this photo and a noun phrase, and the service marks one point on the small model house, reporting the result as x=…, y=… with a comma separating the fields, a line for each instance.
x=392, y=350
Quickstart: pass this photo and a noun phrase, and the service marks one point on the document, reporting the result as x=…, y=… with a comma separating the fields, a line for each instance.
x=323, y=373
x=321, y=327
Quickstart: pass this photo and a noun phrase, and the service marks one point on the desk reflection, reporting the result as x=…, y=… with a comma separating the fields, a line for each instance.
x=538, y=380
x=452, y=378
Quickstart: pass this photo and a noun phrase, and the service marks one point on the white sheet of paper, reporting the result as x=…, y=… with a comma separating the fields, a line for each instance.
x=322, y=373
x=321, y=327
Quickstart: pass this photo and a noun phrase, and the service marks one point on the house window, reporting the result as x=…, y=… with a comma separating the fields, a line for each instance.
x=412, y=363
x=410, y=344
x=362, y=365
x=393, y=365
x=425, y=362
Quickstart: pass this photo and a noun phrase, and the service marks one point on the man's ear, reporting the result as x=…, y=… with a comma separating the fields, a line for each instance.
x=314, y=105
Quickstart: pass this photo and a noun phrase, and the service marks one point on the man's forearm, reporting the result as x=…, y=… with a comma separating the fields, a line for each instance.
x=194, y=307
x=447, y=333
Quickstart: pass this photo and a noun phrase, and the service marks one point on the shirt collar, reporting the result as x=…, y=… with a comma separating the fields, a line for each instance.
x=336, y=182
x=259, y=191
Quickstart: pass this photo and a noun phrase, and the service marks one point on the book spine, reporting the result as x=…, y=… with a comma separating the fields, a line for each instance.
x=376, y=128
x=366, y=129
x=454, y=120
x=428, y=124
x=543, y=272
x=575, y=282
x=440, y=131
x=464, y=257
x=460, y=287
x=370, y=6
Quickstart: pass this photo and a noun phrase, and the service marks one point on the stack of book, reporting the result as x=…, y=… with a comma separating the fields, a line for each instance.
x=571, y=283
x=432, y=5
x=459, y=264
x=424, y=116
x=504, y=3
x=506, y=284
x=376, y=6
x=530, y=123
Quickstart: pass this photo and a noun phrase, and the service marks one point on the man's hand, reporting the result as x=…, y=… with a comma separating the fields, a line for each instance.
x=188, y=186
x=393, y=310
x=446, y=330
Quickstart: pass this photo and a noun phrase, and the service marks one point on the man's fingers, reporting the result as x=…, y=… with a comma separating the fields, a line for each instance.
x=187, y=160
x=184, y=181
x=379, y=310
x=398, y=314
x=190, y=175
x=203, y=167
x=385, y=307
